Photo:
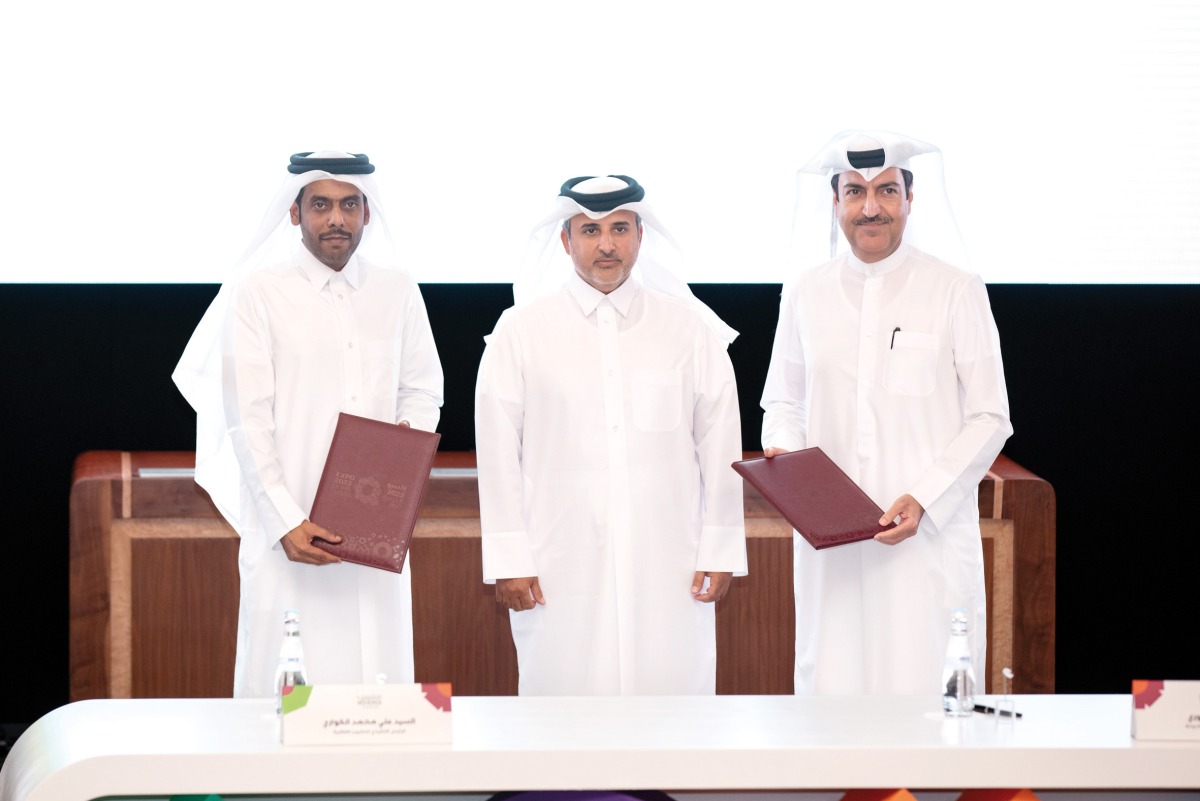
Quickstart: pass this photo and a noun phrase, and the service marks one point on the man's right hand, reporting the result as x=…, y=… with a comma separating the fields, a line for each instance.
x=519, y=594
x=771, y=453
x=297, y=544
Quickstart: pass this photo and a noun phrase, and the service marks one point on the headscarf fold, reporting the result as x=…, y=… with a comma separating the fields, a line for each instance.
x=546, y=266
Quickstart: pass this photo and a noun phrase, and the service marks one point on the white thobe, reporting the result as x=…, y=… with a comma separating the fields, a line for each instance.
x=893, y=369
x=305, y=343
x=605, y=429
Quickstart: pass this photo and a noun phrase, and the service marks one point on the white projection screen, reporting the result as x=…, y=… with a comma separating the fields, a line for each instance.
x=143, y=141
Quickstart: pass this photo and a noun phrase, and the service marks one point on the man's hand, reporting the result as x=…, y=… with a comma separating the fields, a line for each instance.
x=519, y=594
x=771, y=453
x=718, y=585
x=909, y=511
x=297, y=544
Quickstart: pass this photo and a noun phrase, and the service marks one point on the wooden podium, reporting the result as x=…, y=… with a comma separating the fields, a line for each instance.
x=154, y=586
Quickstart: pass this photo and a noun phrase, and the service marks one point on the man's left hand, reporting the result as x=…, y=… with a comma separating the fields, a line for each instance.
x=718, y=585
x=909, y=511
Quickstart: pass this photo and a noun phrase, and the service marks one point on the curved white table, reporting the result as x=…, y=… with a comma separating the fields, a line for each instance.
x=122, y=748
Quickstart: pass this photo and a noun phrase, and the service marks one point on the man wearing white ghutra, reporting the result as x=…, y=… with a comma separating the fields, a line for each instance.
x=308, y=326
x=888, y=359
x=606, y=420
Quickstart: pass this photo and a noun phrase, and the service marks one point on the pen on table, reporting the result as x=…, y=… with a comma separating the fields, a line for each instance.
x=989, y=710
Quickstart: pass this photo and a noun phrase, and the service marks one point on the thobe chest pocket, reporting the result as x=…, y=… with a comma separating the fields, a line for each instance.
x=912, y=363
x=656, y=400
x=381, y=368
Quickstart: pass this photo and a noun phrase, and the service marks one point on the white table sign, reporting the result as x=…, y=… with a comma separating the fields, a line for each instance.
x=366, y=714
x=1166, y=710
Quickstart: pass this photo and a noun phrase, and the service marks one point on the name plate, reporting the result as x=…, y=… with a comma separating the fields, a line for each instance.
x=1166, y=710
x=366, y=714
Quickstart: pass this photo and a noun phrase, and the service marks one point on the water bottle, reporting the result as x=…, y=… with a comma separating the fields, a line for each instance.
x=958, y=674
x=290, y=671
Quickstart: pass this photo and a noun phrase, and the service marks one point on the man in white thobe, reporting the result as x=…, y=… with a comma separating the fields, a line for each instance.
x=284, y=349
x=888, y=359
x=606, y=422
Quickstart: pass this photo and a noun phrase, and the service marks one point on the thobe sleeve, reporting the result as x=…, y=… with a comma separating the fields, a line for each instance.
x=419, y=396
x=717, y=429
x=955, y=474
x=250, y=412
x=784, y=399
x=499, y=425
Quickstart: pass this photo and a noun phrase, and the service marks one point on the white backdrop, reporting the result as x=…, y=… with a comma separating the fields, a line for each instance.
x=144, y=140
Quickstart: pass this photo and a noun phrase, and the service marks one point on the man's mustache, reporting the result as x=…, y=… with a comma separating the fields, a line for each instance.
x=878, y=218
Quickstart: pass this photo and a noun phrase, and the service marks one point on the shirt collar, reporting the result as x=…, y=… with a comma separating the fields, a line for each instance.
x=319, y=275
x=882, y=266
x=588, y=297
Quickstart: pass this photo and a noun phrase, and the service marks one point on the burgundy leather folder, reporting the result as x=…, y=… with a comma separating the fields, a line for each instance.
x=371, y=490
x=815, y=496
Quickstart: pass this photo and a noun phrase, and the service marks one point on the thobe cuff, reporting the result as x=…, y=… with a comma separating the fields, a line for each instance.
x=781, y=438
x=290, y=513
x=722, y=550
x=422, y=421
x=933, y=493
x=506, y=554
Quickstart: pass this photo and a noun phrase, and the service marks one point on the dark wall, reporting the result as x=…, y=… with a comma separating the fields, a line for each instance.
x=1098, y=377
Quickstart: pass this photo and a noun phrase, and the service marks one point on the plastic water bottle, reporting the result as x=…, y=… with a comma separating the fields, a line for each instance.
x=958, y=674
x=290, y=671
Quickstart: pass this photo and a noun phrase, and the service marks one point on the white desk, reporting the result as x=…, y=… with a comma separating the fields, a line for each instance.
x=124, y=748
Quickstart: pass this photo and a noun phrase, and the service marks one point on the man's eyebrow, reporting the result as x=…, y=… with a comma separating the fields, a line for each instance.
x=343, y=199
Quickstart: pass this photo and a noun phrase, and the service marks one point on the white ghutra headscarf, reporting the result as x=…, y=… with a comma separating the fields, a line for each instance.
x=816, y=235
x=659, y=264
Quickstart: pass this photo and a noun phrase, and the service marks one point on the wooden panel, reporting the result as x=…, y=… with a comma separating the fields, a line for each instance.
x=183, y=617
x=998, y=555
x=460, y=634
x=151, y=561
x=1029, y=502
x=756, y=622
x=90, y=520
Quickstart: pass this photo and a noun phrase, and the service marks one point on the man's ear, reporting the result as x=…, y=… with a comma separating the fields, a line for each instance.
x=294, y=211
x=566, y=240
x=366, y=211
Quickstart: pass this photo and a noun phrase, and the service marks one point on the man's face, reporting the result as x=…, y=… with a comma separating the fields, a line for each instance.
x=604, y=250
x=331, y=215
x=872, y=213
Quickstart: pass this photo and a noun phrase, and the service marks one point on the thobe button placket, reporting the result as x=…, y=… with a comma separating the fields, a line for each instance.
x=352, y=374
x=868, y=362
x=618, y=461
x=614, y=408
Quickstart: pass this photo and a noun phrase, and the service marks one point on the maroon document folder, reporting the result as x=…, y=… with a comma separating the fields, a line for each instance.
x=371, y=490
x=815, y=496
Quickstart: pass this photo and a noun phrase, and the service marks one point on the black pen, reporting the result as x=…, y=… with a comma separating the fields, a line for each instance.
x=988, y=710
x=893, y=345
